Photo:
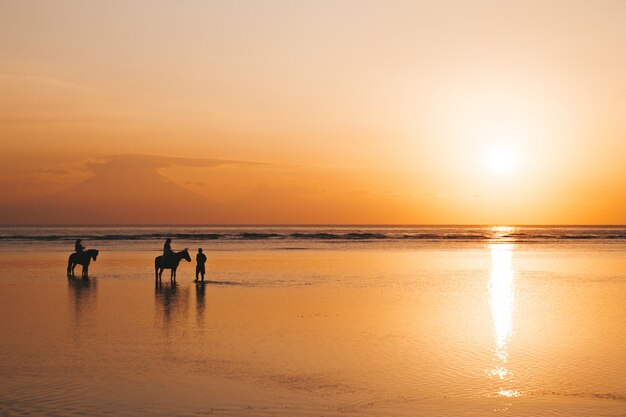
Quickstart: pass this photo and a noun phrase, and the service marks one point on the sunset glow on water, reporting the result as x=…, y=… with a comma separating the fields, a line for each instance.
x=316, y=326
x=502, y=299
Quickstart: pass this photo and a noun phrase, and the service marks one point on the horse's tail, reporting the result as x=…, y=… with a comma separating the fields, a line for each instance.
x=156, y=267
x=69, y=264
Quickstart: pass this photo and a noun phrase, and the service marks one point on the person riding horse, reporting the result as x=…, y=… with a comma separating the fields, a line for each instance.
x=80, y=257
x=169, y=260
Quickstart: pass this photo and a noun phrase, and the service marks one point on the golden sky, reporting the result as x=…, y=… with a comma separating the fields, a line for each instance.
x=421, y=112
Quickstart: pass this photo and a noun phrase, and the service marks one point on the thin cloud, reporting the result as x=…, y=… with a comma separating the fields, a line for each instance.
x=155, y=162
x=55, y=171
x=47, y=81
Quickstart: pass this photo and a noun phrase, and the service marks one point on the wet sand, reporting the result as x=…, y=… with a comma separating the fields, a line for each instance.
x=432, y=330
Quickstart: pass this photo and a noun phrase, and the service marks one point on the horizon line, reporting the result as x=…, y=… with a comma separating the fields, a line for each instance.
x=317, y=225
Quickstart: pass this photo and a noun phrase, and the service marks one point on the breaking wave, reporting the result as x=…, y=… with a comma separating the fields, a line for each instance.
x=204, y=233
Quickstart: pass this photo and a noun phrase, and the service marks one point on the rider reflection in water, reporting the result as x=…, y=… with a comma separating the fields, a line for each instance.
x=78, y=247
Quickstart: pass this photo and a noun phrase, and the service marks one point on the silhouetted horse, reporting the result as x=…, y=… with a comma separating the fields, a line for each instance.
x=161, y=263
x=83, y=258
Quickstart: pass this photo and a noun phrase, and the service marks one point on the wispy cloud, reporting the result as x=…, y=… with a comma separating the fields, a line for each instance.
x=44, y=80
x=155, y=162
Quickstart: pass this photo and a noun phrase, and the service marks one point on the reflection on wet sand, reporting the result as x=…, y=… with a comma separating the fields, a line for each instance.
x=502, y=301
x=200, y=306
x=171, y=303
x=447, y=330
x=82, y=297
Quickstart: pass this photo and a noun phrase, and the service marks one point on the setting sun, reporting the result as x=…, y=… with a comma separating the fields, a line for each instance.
x=501, y=159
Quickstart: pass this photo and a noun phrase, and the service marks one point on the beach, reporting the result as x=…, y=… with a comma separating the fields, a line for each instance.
x=316, y=322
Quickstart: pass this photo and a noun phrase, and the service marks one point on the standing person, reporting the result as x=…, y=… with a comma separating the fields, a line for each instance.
x=78, y=247
x=200, y=260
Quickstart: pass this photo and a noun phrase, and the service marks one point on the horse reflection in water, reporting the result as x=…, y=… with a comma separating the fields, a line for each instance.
x=172, y=307
x=82, y=295
x=169, y=262
x=82, y=258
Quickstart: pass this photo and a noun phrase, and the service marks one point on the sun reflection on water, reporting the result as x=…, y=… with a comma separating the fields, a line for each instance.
x=502, y=232
x=502, y=300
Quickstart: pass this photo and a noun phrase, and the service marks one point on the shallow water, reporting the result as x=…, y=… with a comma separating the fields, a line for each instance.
x=369, y=328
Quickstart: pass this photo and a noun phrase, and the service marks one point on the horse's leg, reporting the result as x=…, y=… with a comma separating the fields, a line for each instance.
x=86, y=271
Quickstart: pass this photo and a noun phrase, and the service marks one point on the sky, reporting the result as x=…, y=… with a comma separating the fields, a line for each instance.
x=351, y=112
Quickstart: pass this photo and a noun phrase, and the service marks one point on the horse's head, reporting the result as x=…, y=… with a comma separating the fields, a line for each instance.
x=185, y=255
x=94, y=254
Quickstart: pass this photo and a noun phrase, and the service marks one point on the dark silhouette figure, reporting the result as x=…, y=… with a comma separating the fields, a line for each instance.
x=78, y=247
x=83, y=258
x=200, y=261
x=168, y=253
x=162, y=262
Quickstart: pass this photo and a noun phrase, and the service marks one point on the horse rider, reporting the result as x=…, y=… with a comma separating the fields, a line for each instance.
x=78, y=247
x=168, y=253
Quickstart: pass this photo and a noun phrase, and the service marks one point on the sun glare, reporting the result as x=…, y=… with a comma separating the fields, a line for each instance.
x=501, y=159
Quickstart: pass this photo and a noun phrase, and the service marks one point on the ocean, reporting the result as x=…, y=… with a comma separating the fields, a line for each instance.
x=289, y=234
x=316, y=321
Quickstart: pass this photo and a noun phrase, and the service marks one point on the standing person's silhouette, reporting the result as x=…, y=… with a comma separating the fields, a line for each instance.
x=200, y=261
x=78, y=247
